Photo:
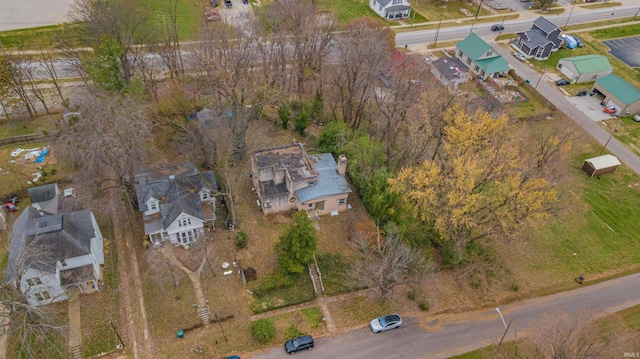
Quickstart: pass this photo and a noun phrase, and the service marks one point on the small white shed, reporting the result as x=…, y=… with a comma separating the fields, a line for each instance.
x=600, y=165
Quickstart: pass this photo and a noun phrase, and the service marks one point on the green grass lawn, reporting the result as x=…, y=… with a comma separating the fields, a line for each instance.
x=596, y=233
x=631, y=317
x=628, y=132
x=189, y=17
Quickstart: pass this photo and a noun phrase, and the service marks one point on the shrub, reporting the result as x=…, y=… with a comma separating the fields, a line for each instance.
x=263, y=330
x=250, y=274
x=241, y=240
x=413, y=295
x=292, y=332
x=284, y=115
x=424, y=306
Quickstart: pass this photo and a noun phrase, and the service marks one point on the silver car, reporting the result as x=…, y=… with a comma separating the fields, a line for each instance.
x=384, y=323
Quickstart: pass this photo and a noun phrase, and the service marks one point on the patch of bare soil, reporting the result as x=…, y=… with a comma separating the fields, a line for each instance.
x=191, y=255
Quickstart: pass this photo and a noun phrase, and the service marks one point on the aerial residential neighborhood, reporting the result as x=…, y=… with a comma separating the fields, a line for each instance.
x=259, y=178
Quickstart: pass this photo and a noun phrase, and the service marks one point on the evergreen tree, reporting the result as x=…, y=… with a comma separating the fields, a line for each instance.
x=297, y=245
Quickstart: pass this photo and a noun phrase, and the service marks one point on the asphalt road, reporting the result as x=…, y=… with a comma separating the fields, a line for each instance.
x=557, y=98
x=484, y=29
x=458, y=334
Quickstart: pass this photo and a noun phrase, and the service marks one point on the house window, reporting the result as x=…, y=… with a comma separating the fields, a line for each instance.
x=309, y=184
x=63, y=263
x=380, y=7
x=559, y=66
x=397, y=2
x=190, y=236
x=594, y=77
x=205, y=195
x=267, y=205
x=42, y=296
x=154, y=206
x=34, y=281
x=489, y=53
x=310, y=205
x=468, y=61
x=477, y=68
x=342, y=201
x=184, y=222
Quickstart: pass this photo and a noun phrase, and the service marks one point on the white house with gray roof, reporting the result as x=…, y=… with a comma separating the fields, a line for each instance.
x=53, y=251
x=176, y=202
x=287, y=178
x=391, y=9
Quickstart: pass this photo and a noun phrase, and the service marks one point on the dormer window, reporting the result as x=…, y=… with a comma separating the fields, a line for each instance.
x=154, y=206
x=205, y=195
x=34, y=281
x=184, y=222
x=63, y=263
x=489, y=53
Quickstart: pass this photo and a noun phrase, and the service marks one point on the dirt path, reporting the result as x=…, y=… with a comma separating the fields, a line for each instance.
x=133, y=313
x=194, y=277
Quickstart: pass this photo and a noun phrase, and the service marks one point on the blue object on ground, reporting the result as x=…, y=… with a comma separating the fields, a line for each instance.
x=41, y=158
x=180, y=333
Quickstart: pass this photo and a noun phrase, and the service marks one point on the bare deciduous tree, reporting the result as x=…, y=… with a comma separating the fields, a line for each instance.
x=584, y=335
x=122, y=20
x=33, y=327
x=364, y=49
x=111, y=136
x=386, y=261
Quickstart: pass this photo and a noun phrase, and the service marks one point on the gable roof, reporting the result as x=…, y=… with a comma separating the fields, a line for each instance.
x=384, y=3
x=329, y=182
x=545, y=25
x=494, y=64
x=473, y=46
x=534, y=38
x=42, y=239
x=450, y=67
x=177, y=187
x=590, y=63
x=604, y=161
x=619, y=88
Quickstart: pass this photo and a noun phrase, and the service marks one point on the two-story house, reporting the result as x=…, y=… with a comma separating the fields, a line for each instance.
x=51, y=250
x=286, y=178
x=480, y=58
x=176, y=202
x=539, y=42
x=391, y=9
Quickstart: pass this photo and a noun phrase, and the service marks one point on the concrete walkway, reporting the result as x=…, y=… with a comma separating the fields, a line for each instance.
x=75, y=325
x=194, y=277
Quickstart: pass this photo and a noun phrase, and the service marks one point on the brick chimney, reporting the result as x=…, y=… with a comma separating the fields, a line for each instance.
x=342, y=165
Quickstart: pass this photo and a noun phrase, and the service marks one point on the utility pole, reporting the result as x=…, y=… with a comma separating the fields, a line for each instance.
x=435, y=42
x=475, y=17
x=117, y=334
x=541, y=75
x=565, y=24
x=220, y=324
x=414, y=14
x=610, y=137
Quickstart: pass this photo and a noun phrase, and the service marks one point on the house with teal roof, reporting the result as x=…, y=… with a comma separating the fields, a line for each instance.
x=586, y=68
x=481, y=59
x=618, y=93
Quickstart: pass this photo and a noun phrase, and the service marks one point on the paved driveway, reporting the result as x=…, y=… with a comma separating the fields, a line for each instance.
x=590, y=106
x=21, y=14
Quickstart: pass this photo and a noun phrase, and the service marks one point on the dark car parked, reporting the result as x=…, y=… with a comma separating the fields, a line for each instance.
x=497, y=27
x=579, y=42
x=562, y=82
x=304, y=342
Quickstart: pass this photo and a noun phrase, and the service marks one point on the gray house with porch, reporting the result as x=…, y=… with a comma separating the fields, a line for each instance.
x=539, y=42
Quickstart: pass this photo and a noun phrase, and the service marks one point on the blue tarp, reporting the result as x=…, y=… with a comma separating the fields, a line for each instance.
x=41, y=158
x=570, y=41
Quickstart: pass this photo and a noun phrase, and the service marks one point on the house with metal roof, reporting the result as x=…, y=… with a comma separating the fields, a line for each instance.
x=287, y=178
x=540, y=41
x=618, y=93
x=480, y=58
x=586, y=68
x=52, y=252
x=176, y=202
x=391, y=9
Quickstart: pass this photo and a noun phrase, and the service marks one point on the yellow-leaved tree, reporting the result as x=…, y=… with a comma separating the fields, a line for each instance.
x=477, y=183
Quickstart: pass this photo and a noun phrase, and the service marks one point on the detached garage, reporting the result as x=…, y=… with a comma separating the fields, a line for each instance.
x=587, y=68
x=619, y=94
x=601, y=165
